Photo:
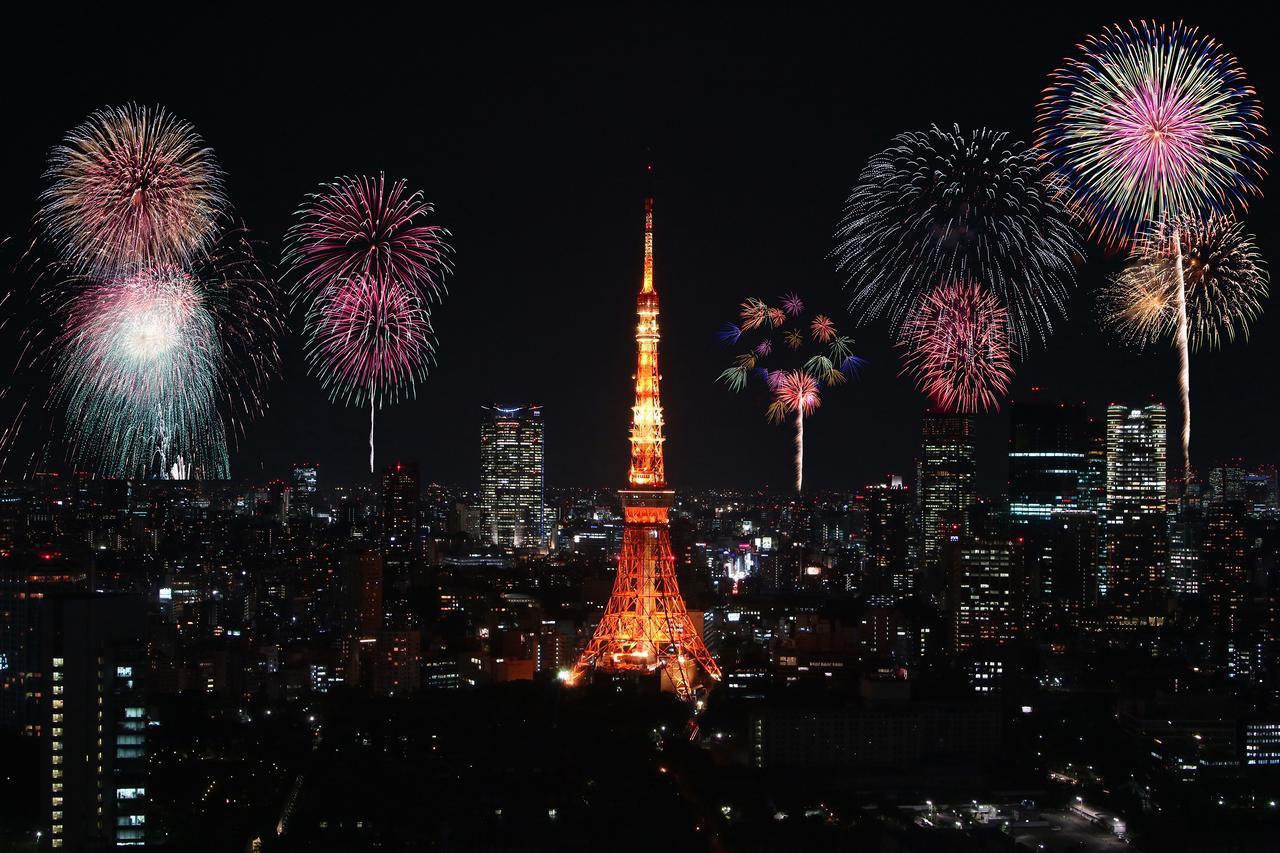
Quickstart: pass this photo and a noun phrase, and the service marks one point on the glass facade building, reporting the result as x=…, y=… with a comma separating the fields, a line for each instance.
x=512, y=486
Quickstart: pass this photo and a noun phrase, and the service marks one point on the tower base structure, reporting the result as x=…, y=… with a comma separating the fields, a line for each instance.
x=645, y=627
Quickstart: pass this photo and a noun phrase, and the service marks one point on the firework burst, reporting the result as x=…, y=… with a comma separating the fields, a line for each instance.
x=138, y=375
x=1226, y=284
x=1151, y=121
x=366, y=270
x=958, y=348
x=1153, y=124
x=130, y=189
x=948, y=205
x=159, y=368
x=370, y=341
x=795, y=389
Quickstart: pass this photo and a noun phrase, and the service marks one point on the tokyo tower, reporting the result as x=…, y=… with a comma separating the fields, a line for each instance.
x=645, y=627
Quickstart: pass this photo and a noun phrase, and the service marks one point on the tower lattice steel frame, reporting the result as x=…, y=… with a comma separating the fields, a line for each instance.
x=646, y=627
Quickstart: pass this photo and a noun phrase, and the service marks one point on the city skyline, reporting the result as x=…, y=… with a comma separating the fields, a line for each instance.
x=382, y=464
x=704, y=258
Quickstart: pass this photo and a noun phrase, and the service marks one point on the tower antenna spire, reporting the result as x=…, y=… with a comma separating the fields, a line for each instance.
x=647, y=286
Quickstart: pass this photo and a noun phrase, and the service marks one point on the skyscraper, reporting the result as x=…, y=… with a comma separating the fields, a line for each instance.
x=305, y=480
x=1224, y=560
x=982, y=595
x=400, y=497
x=645, y=627
x=1136, y=528
x=95, y=763
x=511, y=475
x=946, y=481
x=1048, y=450
x=887, y=523
x=1051, y=505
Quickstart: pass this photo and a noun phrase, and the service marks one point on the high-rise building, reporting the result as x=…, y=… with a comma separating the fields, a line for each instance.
x=945, y=480
x=646, y=627
x=305, y=479
x=400, y=498
x=362, y=585
x=25, y=585
x=401, y=542
x=1223, y=559
x=304, y=482
x=1051, y=502
x=1063, y=577
x=1136, y=528
x=1048, y=455
x=1227, y=482
x=1186, y=540
x=887, y=540
x=983, y=596
x=1262, y=491
x=512, y=488
x=95, y=760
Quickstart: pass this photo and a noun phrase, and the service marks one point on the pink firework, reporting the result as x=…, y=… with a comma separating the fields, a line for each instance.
x=131, y=188
x=366, y=270
x=1151, y=121
x=958, y=349
x=793, y=305
x=372, y=338
x=796, y=391
x=362, y=228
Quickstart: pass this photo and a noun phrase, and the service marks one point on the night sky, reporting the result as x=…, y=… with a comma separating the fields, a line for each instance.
x=529, y=132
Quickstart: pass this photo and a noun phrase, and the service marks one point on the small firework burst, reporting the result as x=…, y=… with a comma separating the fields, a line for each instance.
x=370, y=341
x=795, y=389
x=957, y=347
x=359, y=228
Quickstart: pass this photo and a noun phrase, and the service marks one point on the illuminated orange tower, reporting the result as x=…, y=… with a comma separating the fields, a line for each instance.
x=645, y=627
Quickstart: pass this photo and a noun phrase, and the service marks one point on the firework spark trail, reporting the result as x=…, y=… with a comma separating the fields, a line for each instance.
x=131, y=188
x=958, y=347
x=949, y=205
x=796, y=392
x=1149, y=124
x=792, y=390
x=366, y=270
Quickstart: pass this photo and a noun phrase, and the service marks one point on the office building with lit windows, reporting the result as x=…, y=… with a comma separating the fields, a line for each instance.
x=95, y=755
x=304, y=482
x=887, y=511
x=1048, y=453
x=945, y=479
x=511, y=475
x=1051, y=500
x=401, y=495
x=1136, y=518
x=983, y=606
